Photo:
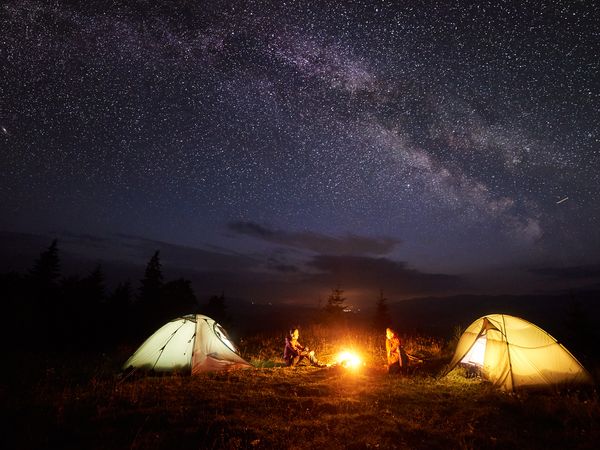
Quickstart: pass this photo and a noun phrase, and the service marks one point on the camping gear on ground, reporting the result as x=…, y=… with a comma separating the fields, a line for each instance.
x=192, y=344
x=513, y=353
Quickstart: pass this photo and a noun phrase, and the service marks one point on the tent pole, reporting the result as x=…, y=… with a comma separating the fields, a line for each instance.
x=162, y=349
x=512, y=380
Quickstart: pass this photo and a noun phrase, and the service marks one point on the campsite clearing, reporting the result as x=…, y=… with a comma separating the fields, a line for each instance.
x=63, y=407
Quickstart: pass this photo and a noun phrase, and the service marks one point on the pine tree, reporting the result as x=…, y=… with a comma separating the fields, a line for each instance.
x=121, y=297
x=578, y=328
x=149, y=299
x=217, y=309
x=178, y=298
x=382, y=316
x=94, y=287
x=119, y=314
x=152, y=282
x=44, y=290
x=46, y=270
x=93, y=305
x=18, y=311
x=335, y=302
x=72, y=314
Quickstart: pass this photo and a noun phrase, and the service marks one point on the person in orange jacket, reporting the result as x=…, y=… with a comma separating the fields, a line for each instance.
x=393, y=347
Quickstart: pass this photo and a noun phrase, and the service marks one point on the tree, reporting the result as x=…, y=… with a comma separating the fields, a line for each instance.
x=579, y=329
x=335, y=302
x=382, y=315
x=93, y=304
x=94, y=288
x=46, y=270
x=178, y=298
x=216, y=308
x=18, y=311
x=152, y=281
x=149, y=299
x=121, y=297
x=43, y=288
x=118, y=312
x=72, y=316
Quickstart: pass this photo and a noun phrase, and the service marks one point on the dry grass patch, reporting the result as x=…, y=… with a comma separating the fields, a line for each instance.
x=86, y=405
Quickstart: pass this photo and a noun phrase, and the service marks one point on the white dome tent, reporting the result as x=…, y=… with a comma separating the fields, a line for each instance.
x=513, y=353
x=192, y=343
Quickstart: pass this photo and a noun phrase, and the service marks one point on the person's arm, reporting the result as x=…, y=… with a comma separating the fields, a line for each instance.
x=289, y=348
x=295, y=347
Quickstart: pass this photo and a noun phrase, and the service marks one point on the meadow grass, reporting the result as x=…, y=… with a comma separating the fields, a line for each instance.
x=87, y=404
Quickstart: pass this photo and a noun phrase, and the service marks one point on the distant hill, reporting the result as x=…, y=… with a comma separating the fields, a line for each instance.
x=567, y=317
x=249, y=318
x=570, y=318
x=439, y=315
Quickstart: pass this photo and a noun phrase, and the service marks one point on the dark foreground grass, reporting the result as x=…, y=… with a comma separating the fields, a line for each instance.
x=88, y=405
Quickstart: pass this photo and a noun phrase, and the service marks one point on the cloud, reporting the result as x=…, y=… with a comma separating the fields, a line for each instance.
x=22, y=249
x=190, y=257
x=287, y=277
x=350, y=244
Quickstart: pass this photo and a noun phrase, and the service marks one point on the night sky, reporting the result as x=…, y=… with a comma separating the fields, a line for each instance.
x=275, y=150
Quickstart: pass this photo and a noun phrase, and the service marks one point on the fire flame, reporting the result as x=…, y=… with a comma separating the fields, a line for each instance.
x=347, y=359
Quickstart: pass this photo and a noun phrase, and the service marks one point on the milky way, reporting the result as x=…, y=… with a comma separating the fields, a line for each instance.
x=447, y=131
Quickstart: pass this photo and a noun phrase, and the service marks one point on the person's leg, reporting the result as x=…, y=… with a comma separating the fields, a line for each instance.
x=314, y=361
x=295, y=360
x=394, y=368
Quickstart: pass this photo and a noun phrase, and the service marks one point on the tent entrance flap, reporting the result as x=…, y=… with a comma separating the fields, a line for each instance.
x=476, y=353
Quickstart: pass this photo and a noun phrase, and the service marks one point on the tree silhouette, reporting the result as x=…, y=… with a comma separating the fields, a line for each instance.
x=93, y=305
x=45, y=272
x=152, y=281
x=335, y=302
x=579, y=329
x=121, y=297
x=216, y=308
x=119, y=313
x=43, y=288
x=149, y=299
x=94, y=287
x=178, y=298
x=382, y=315
x=72, y=314
x=18, y=311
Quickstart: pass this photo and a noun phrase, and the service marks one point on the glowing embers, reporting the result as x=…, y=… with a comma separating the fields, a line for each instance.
x=476, y=354
x=349, y=360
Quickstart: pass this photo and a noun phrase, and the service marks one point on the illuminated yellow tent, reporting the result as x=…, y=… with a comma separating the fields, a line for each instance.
x=513, y=353
x=192, y=343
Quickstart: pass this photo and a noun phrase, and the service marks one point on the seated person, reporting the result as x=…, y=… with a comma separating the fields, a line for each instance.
x=394, y=349
x=294, y=352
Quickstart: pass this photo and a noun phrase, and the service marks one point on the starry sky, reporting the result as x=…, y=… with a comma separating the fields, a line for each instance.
x=278, y=149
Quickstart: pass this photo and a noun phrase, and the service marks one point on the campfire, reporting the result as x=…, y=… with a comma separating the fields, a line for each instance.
x=348, y=359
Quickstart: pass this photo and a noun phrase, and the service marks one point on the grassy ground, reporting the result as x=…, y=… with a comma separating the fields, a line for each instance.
x=72, y=404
